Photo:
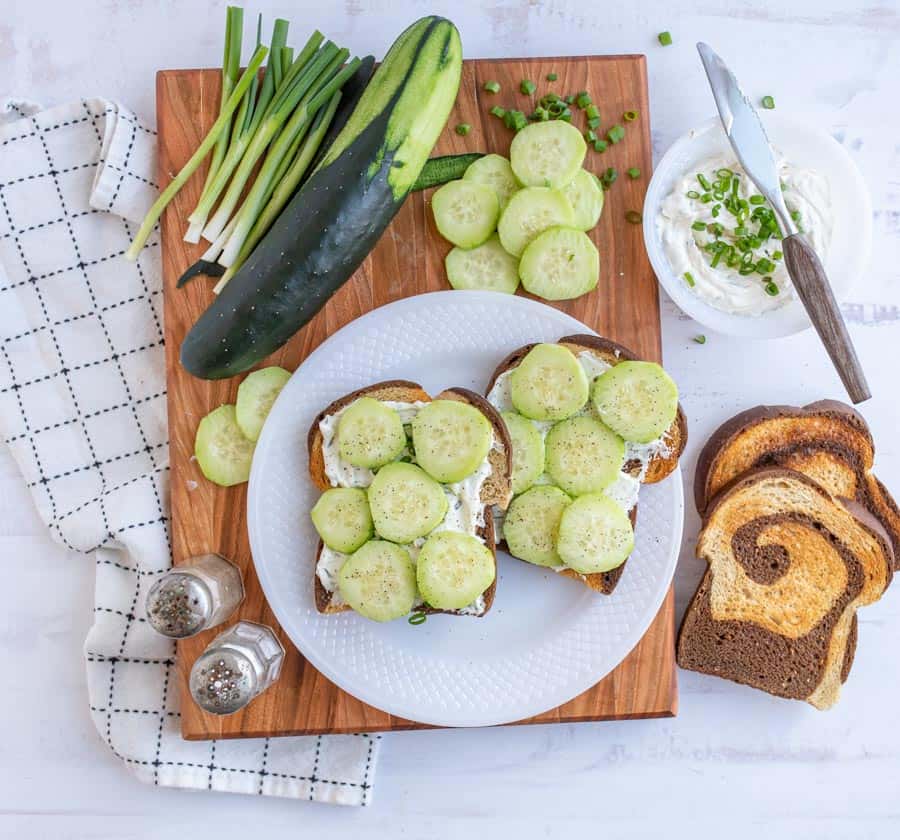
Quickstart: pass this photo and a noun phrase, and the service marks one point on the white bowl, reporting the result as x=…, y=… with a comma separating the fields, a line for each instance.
x=802, y=145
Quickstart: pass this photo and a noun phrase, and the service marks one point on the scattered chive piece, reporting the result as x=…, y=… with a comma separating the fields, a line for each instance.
x=497, y=111
x=769, y=104
x=593, y=122
x=703, y=182
x=527, y=87
x=492, y=87
x=600, y=145
x=583, y=100
x=548, y=99
x=570, y=99
x=771, y=288
x=700, y=339
x=541, y=114
x=665, y=38
x=693, y=194
x=608, y=178
x=417, y=618
x=698, y=226
x=634, y=217
x=552, y=77
x=634, y=172
x=757, y=199
x=463, y=129
x=592, y=112
x=689, y=278
x=777, y=255
x=630, y=116
x=615, y=134
x=590, y=136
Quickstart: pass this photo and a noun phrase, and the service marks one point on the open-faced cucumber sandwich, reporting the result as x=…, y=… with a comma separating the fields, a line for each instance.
x=589, y=423
x=407, y=484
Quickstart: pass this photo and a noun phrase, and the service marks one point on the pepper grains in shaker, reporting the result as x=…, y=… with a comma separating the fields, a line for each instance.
x=238, y=665
x=196, y=596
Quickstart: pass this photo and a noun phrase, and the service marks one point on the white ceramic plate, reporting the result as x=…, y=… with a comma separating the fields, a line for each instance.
x=802, y=145
x=547, y=638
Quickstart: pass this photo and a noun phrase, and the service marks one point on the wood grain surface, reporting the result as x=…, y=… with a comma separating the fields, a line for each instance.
x=408, y=260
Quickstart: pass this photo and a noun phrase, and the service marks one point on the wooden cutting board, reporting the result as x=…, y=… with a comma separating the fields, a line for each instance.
x=408, y=260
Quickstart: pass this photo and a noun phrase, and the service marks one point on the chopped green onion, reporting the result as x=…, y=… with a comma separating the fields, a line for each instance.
x=724, y=173
x=692, y=194
x=700, y=339
x=715, y=210
x=570, y=99
x=704, y=182
x=583, y=100
x=689, y=278
x=497, y=111
x=527, y=87
x=492, y=87
x=634, y=217
x=552, y=77
x=715, y=229
x=590, y=136
x=417, y=618
x=592, y=112
x=615, y=134
x=757, y=199
x=777, y=255
x=665, y=38
x=608, y=177
x=771, y=288
x=593, y=123
x=541, y=114
x=634, y=172
x=463, y=129
x=630, y=116
x=548, y=99
x=698, y=226
x=515, y=120
x=600, y=145
x=769, y=103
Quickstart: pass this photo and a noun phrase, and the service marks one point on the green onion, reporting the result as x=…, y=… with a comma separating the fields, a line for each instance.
x=527, y=87
x=417, y=618
x=515, y=120
x=757, y=199
x=777, y=255
x=724, y=173
x=463, y=129
x=665, y=38
x=715, y=210
x=552, y=77
x=570, y=99
x=590, y=136
x=541, y=114
x=703, y=182
x=583, y=99
x=692, y=194
x=548, y=99
x=497, y=111
x=600, y=145
x=769, y=103
x=634, y=172
x=594, y=123
x=615, y=134
x=608, y=178
x=630, y=116
x=492, y=87
x=634, y=217
x=592, y=112
x=698, y=226
x=700, y=339
x=771, y=288
x=689, y=278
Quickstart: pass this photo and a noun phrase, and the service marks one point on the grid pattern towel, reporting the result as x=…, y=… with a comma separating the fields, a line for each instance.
x=82, y=408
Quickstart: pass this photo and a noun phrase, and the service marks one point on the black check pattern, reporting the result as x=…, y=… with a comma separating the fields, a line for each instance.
x=82, y=408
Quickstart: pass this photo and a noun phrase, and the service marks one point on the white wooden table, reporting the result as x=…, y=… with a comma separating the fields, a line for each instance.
x=734, y=760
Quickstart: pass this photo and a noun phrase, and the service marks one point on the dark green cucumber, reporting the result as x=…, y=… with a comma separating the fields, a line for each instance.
x=339, y=214
x=443, y=169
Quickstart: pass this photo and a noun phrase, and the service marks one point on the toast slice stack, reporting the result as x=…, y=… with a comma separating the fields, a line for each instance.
x=649, y=470
x=496, y=490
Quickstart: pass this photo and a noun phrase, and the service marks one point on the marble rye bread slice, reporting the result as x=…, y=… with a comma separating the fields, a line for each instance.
x=660, y=465
x=496, y=490
x=789, y=565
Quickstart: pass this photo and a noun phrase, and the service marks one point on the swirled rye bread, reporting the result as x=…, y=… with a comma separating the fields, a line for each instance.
x=788, y=567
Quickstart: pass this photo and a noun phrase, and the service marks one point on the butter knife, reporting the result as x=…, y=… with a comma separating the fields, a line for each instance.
x=748, y=138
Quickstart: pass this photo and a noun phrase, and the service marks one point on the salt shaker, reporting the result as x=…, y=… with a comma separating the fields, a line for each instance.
x=238, y=665
x=195, y=596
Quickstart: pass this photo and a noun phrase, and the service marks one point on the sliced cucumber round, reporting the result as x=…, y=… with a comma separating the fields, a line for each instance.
x=255, y=397
x=549, y=384
x=370, y=434
x=638, y=400
x=453, y=569
x=595, y=535
x=342, y=518
x=547, y=154
x=495, y=172
x=531, y=525
x=486, y=267
x=222, y=451
x=560, y=264
x=583, y=455
x=379, y=581
x=527, y=451
x=586, y=197
x=530, y=212
x=406, y=502
x=451, y=439
x=465, y=212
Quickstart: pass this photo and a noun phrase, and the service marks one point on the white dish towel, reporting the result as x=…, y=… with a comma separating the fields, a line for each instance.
x=83, y=409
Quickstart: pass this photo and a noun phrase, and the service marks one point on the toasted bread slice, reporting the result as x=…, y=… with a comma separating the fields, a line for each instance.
x=657, y=469
x=826, y=440
x=496, y=490
x=789, y=565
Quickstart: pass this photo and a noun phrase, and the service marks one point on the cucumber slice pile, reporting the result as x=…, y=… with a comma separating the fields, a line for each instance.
x=370, y=434
x=586, y=197
x=342, y=518
x=532, y=522
x=222, y=451
x=465, y=212
x=560, y=264
x=495, y=172
x=406, y=502
x=379, y=581
x=583, y=455
x=530, y=212
x=595, y=535
x=527, y=451
x=549, y=383
x=255, y=397
x=547, y=154
x=487, y=266
x=638, y=400
x=451, y=439
x=453, y=570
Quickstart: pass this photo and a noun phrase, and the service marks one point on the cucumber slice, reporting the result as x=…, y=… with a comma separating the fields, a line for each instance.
x=486, y=267
x=406, y=502
x=465, y=212
x=495, y=172
x=370, y=434
x=453, y=569
x=342, y=518
x=547, y=154
x=549, y=384
x=531, y=525
x=586, y=197
x=638, y=400
x=379, y=581
x=255, y=397
x=560, y=264
x=451, y=439
x=527, y=449
x=530, y=212
x=222, y=451
x=583, y=455
x=595, y=535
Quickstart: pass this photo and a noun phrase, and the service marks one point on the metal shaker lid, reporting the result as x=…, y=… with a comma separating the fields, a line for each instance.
x=223, y=681
x=179, y=605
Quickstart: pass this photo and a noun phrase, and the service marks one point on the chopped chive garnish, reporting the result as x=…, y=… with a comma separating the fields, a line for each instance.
x=592, y=112
x=692, y=194
x=492, y=87
x=700, y=339
x=771, y=287
x=552, y=77
x=757, y=199
x=594, y=123
x=608, y=177
x=463, y=129
x=590, y=136
x=633, y=217
x=630, y=116
x=600, y=145
x=689, y=278
x=777, y=255
x=541, y=114
x=615, y=134
x=417, y=618
x=527, y=87
x=570, y=99
x=724, y=173
x=716, y=208
x=634, y=172
x=497, y=111
x=583, y=99
x=698, y=226
x=769, y=104
x=548, y=99
x=704, y=182
x=665, y=38
x=706, y=198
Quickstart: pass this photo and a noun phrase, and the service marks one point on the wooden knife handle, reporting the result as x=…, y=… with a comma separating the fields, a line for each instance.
x=814, y=291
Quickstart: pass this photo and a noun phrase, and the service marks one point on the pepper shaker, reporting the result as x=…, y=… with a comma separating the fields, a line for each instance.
x=198, y=595
x=238, y=665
